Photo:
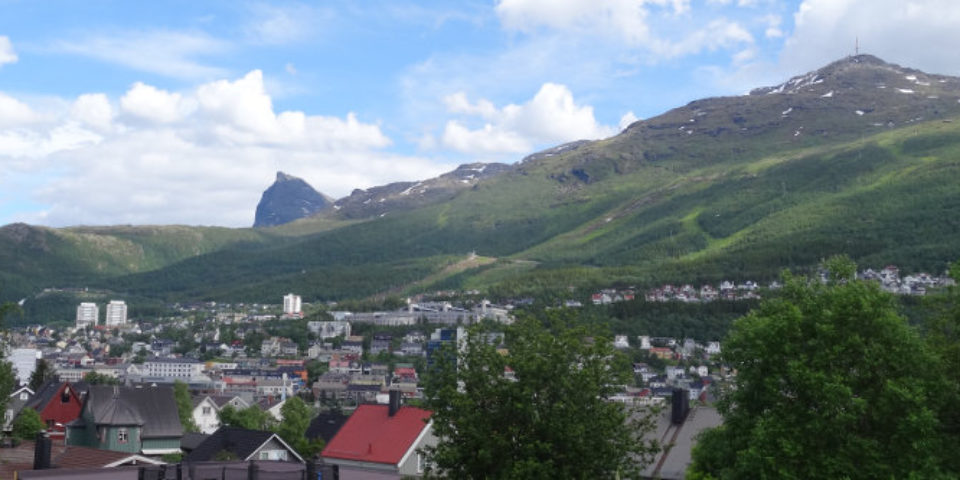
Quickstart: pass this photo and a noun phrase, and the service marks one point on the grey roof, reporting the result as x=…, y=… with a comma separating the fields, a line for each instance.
x=49, y=389
x=239, y=441
x=153, y=408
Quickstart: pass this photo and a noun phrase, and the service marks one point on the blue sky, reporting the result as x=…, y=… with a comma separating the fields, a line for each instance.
x=181, y=112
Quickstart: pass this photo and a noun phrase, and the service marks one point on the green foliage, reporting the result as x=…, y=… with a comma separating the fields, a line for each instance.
x=831, y=383
x=172, y=457
x=27, y=424
x=8, y=381
x=184, y=406
x=296, y=418
x=652, y=209
x=552, y=421
x=251, y=418
x=41, y=374
x=94, y=378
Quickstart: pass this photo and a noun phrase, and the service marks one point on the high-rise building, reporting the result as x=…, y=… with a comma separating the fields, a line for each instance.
x=87, y=315
x=116, y=313
x=292, y=306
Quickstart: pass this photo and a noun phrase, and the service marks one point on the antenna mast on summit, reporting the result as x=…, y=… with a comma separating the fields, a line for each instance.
x=856, y=46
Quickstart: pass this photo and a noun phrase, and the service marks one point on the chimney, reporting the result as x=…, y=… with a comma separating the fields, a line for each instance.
x=680, y=405
x=41, y=452
x=394, y=402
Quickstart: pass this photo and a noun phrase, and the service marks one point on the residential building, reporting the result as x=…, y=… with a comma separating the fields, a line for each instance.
x=24, y=362
x=170, y=369
x=325, y=426
x=206, y=415
x=15, y=403
x=329, y=329
x=87, y=315
x=58, y=403
x=242, y=444
x=116, y=314
x=134, y=420
x=292, y=306
x=384, y=439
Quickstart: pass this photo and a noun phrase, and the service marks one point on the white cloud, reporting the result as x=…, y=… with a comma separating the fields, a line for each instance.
x=14, y=112
x=155, y=105
x=94, y=110
x=627, y=119
x=773, y=26
x=910, y=33
x=168, y=53
x=550, y=117
x=199, y=156
x=276, y=25
x=7, y=54
x=632, y=22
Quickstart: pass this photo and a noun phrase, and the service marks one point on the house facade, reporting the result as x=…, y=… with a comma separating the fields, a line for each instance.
x=385, y=439
x=124, y=419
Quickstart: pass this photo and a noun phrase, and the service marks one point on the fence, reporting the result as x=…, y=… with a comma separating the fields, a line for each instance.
x=253, y=470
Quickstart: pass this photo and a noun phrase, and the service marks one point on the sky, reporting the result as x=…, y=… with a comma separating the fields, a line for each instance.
x=119, y=112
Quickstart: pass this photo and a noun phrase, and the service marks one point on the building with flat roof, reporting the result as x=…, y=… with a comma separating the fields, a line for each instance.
x=292, y=306
x=116, y=313
x=87, y=315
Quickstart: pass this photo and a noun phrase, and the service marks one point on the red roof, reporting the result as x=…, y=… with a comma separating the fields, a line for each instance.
x=370, y=435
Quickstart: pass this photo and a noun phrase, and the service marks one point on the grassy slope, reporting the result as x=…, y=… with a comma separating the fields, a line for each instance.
x=884, y=198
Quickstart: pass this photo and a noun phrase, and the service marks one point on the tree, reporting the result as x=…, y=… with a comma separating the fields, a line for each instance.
x=8, y=380
x=184, y=406
x=831, y=383
x=942, y=328
x=94, y=378
x=296, y=418
x=548, y=419
x=41, y=374
x=27, y=424
x=251, y=418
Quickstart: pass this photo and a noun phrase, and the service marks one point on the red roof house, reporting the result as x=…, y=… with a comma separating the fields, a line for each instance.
x=58, y=404
x=382, y=438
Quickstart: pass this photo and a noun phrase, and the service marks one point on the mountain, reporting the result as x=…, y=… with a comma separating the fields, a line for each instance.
x=859, y=157
x=288, y=199
x=401, y=196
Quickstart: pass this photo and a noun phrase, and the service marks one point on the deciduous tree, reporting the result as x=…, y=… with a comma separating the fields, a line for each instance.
x=27, y=424
x=830, y=383
x=549, y=418
x=184, y=406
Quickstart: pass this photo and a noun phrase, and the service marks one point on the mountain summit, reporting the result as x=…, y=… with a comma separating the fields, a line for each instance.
x=288, y=199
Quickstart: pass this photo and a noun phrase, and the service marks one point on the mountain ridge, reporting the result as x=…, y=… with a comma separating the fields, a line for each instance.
x=722, y=187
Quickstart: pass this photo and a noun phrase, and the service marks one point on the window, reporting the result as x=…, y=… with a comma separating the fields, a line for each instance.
x=24, y=395
x=122, y=435
x=206, y=410
x=264, y=455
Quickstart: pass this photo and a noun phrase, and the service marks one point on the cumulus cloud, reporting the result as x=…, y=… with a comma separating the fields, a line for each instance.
x=94, y=110
x=910, y=33
x=626, y=120
x=551, y=116
x=198, y=156
x=14, y=112
x=7, y=54
x=628, y=21
x=155, y=105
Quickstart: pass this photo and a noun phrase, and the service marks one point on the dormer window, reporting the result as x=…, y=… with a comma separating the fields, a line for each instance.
x=65, y=398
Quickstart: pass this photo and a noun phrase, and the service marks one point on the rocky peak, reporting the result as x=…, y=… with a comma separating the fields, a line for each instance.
x=289, y=198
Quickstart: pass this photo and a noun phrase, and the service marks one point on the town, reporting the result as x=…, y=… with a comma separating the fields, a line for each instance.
x=257, y=358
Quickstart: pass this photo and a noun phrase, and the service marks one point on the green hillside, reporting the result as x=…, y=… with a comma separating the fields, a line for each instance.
x=836, y=161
